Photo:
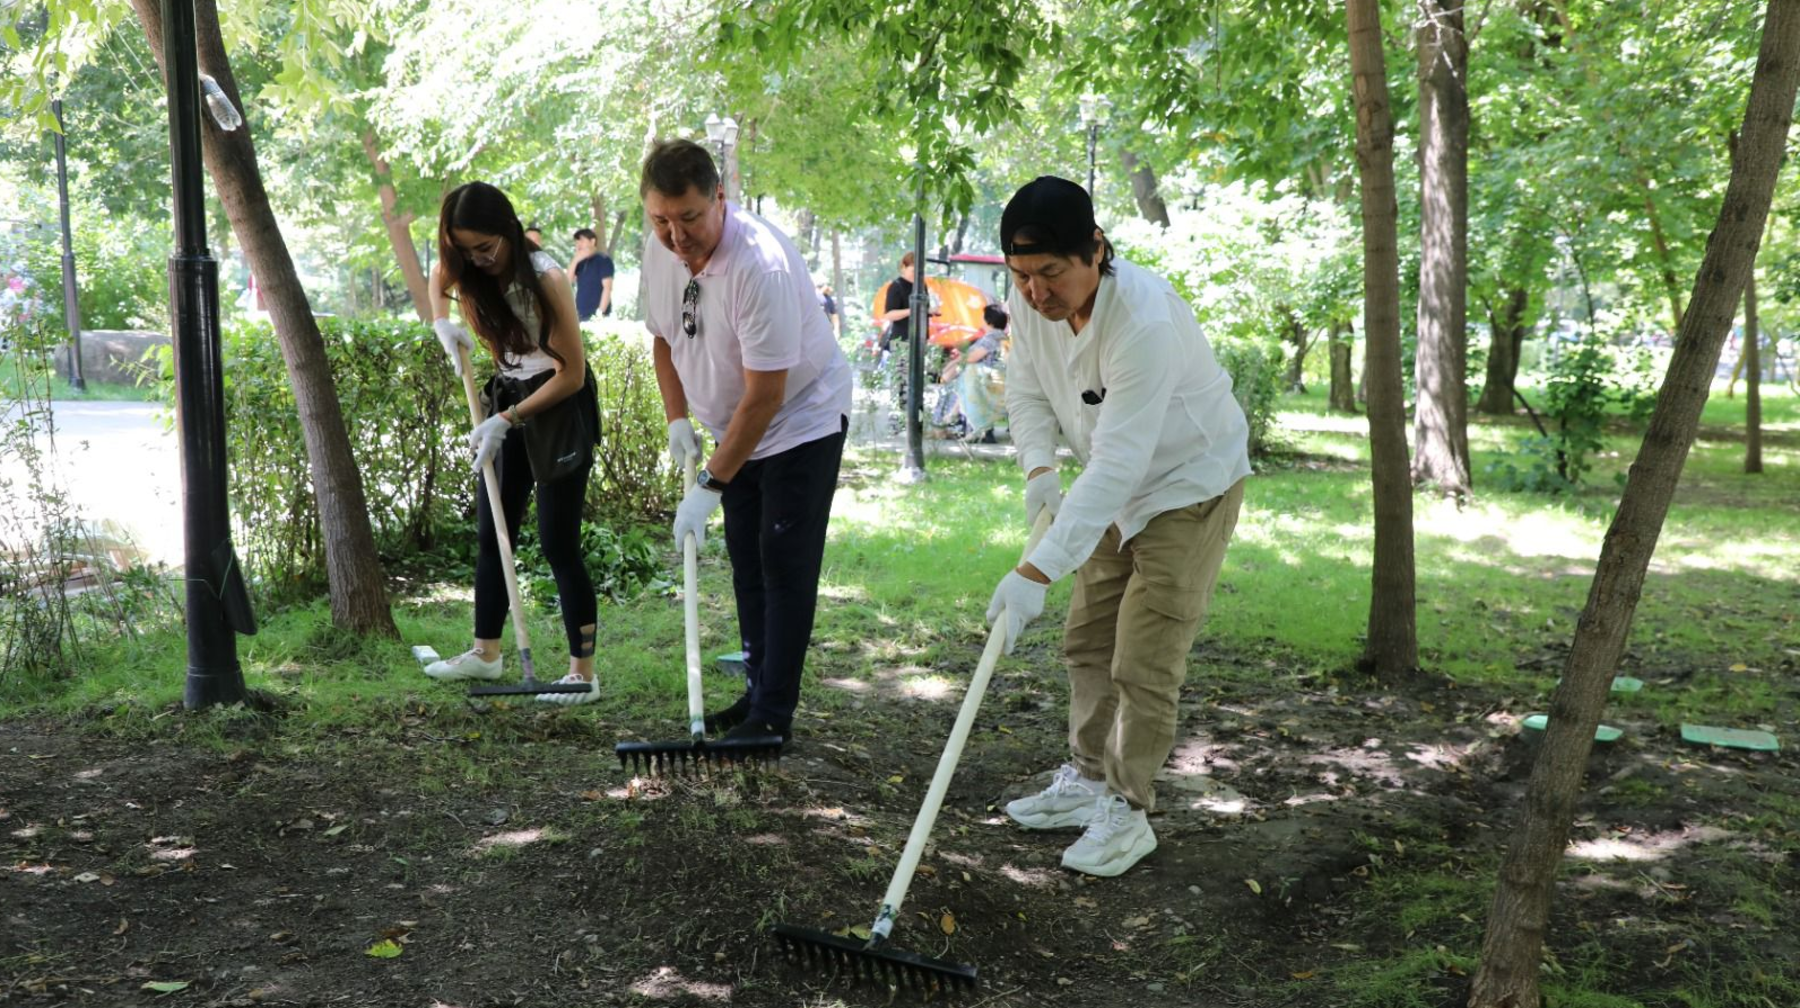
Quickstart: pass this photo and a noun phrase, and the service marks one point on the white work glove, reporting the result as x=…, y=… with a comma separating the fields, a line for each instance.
x=487, y=437
x=1017, y=600
x=1042, y=491
x=684, y=443
x=452, y=335
x=695, y=508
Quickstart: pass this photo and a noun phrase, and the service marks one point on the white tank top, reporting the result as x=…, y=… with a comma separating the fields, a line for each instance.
x=524, y=307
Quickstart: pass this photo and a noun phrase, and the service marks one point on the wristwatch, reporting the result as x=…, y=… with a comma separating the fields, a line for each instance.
x=707, y=481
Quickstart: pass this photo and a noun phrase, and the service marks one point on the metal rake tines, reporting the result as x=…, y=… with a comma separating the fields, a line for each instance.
x=668, y=758
x=860, y=963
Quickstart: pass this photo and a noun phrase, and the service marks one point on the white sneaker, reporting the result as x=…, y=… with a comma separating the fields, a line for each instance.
x=592, y=694
x=1068, y=801
x=468, y=665
x=1118, y=836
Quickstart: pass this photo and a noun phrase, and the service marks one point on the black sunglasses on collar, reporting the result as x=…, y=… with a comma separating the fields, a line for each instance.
x=690, y=309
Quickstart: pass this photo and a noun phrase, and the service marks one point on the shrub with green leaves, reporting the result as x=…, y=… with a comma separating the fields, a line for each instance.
x=408, y=425
x=1585, y=386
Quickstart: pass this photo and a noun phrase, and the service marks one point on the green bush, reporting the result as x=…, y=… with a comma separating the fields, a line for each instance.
x=408, y=425
x=1585, y=386
x=1256, y=380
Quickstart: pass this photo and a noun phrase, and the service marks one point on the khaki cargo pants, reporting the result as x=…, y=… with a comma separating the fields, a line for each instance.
x=1132, y=620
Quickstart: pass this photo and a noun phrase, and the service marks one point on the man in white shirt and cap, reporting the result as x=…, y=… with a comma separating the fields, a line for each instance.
x=741, y=344
x=1108, y=356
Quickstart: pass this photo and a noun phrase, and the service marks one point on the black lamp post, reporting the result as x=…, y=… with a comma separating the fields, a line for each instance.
x=217, y=602
x=1096, y=111
x=71, y=303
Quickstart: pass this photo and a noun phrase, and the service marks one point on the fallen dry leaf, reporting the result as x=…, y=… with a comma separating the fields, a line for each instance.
x=947, y=923
x=1255, y=886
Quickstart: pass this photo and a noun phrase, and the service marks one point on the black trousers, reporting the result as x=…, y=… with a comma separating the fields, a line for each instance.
x=559, y=507
x=776, y=510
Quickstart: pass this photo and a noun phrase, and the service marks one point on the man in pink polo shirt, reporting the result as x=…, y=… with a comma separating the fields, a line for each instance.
x=741, y=344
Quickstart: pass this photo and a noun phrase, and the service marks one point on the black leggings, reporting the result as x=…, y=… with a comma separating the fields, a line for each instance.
x=559, y=537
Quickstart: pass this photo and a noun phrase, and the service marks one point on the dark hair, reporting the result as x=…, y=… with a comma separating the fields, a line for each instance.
x=1085, y=249
x=674, y=166
x=581, y=233
x=994, y=316
x=480, y=207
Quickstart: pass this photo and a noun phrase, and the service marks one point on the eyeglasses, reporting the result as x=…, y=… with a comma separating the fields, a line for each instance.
x=690, y=309
x=487, y=255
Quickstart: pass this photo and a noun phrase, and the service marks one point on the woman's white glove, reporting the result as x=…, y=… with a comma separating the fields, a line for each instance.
x=1017, y=601
x=1042, y=491
x=452, y=335
x=487, y=437
x=684, y=443
x=691, y=515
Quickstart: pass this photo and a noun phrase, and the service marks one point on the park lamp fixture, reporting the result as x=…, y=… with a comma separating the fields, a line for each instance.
x=223, y=112
x=723, y=132
x=1096, y=110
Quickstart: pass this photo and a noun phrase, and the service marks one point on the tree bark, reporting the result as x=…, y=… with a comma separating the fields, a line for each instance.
x=1506, y=335
x=359, y=601
x=1392, y=645
x=837, y=279
x=598, y=206
x=1665, y=261
x=1143, y=189
x=1440, y=375
x=399, y=227
x=1296, y=337
x=1513, y=946
x=1343, y=389
x=1752, y=381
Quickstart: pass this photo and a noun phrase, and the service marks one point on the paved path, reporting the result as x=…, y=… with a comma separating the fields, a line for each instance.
x=121, y=463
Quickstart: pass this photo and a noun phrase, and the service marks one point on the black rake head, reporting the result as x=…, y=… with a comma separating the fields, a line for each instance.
x=529, y=689
x=867, y=961
x=668, y=758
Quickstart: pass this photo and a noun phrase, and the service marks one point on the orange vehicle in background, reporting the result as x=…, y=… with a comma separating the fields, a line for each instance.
x=956, y=310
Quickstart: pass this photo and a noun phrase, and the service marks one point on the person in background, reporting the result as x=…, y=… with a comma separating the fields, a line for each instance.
x=829, y=303
x=896, y=310
x=593, y=271
x=536, y=237
x=973, y=371
x=517, y=301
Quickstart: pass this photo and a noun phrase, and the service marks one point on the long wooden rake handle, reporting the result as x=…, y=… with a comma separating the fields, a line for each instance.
x=690, y=607
x=946, y=768
x=521, y=636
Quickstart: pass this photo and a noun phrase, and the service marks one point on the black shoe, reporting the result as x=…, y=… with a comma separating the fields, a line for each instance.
x=761, y=729
x=730, y=717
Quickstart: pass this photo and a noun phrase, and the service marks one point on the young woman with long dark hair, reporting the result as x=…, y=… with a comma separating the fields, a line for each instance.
x=517, y=301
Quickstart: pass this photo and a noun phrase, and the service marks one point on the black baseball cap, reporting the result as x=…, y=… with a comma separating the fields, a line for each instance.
x=1058, y=214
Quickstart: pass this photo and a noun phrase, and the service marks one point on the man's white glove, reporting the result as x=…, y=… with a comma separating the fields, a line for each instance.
x=487, y=437
x=695, y=508
x=1042, y=491
x=684, y=443
x=452, y=335
x=1017, y=601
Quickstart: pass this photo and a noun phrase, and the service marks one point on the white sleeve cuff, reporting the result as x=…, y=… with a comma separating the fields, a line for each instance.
x=1033, y=459
x=1054, y=561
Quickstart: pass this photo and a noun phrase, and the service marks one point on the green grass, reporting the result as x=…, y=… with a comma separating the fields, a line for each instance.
x=62, y=391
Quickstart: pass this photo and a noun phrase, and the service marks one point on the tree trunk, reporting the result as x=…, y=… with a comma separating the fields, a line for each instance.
x=1441, y=419
x=1752, y=381
x=598, y=215
x=1343, y=390
x=837, y=279
x=1143, y=189
x=1392, y=646
x=1296, y=337
x=358, y=594
x=1506, y=335
x=1513, y=946
x=962, y=230
x=1665, y=261
x=399, y=228
x=618, y=228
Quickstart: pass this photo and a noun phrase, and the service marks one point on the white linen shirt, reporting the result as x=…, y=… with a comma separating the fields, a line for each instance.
x=757, y=310
x=1168, y=432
